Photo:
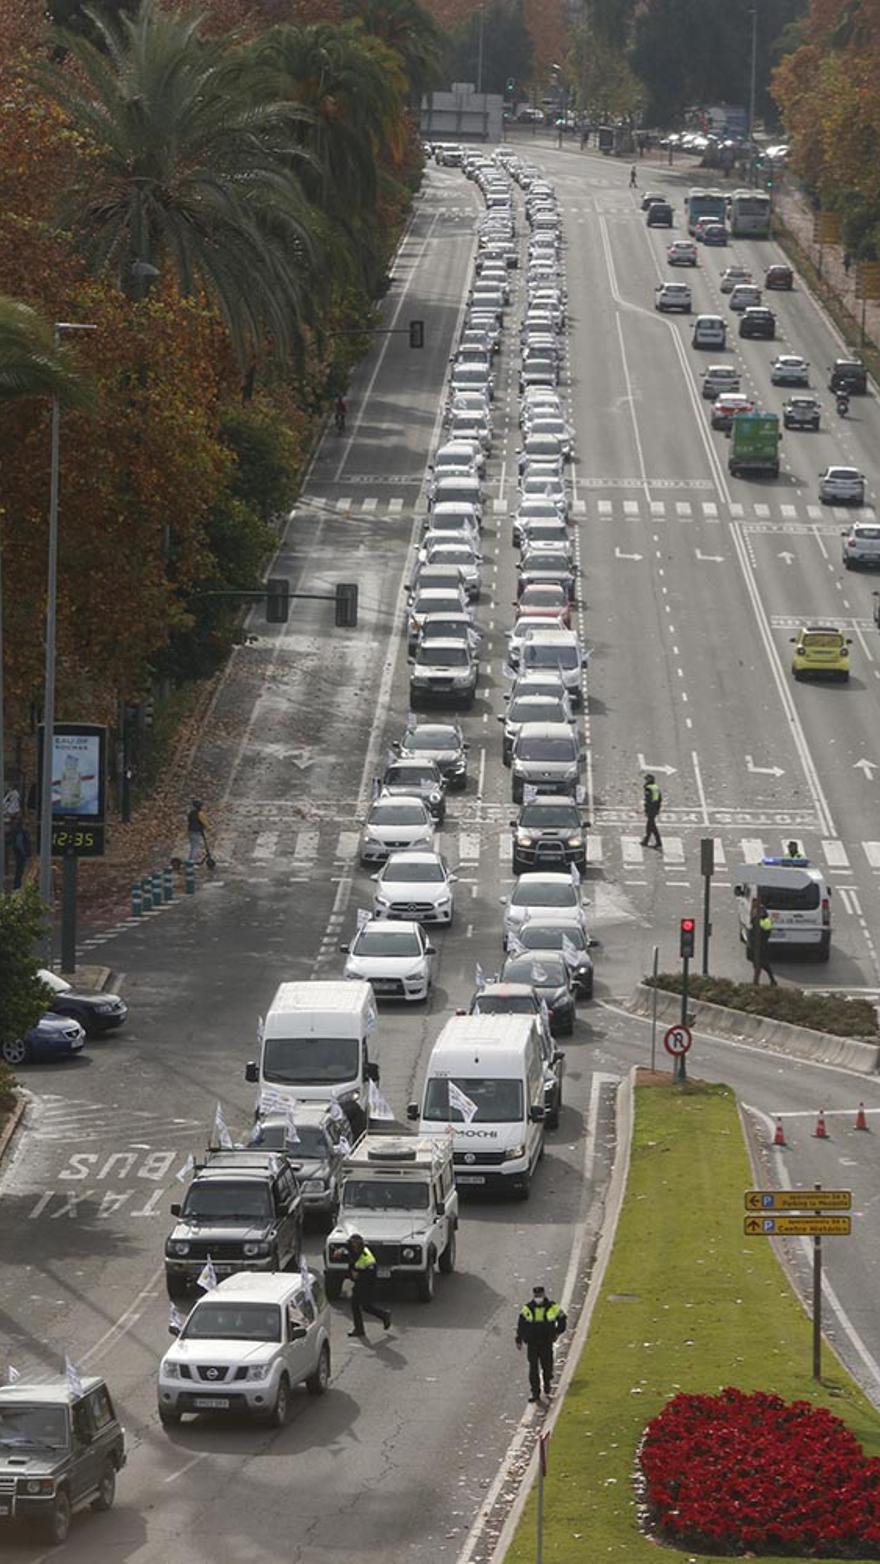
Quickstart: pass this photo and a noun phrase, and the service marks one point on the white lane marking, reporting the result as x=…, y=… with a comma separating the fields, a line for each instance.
x=836, y=854
x=306, y=849
x=752, y=849
x=265, y=845
x=673, y=851
x=872, y=853
x=595, y=850
x=632, y=850
x=395, y=507
x=682, y=508
x=468, y=846
x=700, y=788
x=346, y=846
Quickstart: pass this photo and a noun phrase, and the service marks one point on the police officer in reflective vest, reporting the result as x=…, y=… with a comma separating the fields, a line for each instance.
x=362, y=1272
x=653, y=803
x=762, y=928
x=540, y=1322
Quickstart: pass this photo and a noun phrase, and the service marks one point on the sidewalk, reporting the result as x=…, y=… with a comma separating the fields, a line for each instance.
x=796, y=214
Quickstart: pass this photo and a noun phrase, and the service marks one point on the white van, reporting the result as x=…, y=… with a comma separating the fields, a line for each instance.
x=315, y=1046
x=495, y=1067
x=709, y=331
x=797, y=897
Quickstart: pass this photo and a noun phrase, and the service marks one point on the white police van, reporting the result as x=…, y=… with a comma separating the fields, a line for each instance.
x=798, y=899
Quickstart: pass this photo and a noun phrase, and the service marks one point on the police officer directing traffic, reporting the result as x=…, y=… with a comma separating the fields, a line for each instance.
x=762, y=929
x=362, y=1272
x=653, y=802
x=540, y=1321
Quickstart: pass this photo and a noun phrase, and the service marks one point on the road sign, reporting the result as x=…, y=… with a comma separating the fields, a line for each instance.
x=798, y=1199
x=797, y=1226
x=826, y=227
x=868, y=279
x=677, y=1040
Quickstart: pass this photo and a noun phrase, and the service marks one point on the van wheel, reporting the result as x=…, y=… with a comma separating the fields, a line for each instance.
x=425, y=1283
x=56, y=1524
x=517, y=793
x=523, y=1189
x=106, y=1489
x=447, y=1258
x=317, y=1383
x=824, y=947
x=168, y=1419
x=333, y=1286
x=281, y=1410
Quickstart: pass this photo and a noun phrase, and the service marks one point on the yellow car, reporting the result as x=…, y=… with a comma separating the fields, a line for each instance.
x=821, y=650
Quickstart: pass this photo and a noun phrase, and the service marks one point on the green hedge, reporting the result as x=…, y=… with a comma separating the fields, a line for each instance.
x=8, y=1084
x=832, y=1013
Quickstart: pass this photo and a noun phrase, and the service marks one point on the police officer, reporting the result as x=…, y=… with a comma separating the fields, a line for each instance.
x=653, y=800
x=762, y=928
x=540, y=1322
x=362, y=1273
x=793, y=850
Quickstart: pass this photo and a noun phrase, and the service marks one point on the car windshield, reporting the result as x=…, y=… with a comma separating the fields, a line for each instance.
x=434, y=738
x=505, y=1005
x=387, y=942
x=437, y=629
x=549, y=564
x=397, y=814
x=549, y=936
x=227, y=1200
x=310, y=1061
x=443, y=657
x=211, y=1321
x=404, y=872
x=549, y=971
x=550, y=817
x=40, y=1427
x=543, y=597
x=367, y=1194
x=551, y=750
x=539, y=654
x=528, y=709
x=532, y=892
x=496, y=1101
x=867, y=534
x=409, y=776
x=311, y=1142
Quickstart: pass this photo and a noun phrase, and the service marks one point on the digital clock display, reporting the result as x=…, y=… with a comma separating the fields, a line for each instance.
x=86, y=841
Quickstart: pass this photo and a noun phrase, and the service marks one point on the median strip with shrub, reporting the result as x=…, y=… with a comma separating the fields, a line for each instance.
x=834, y=1013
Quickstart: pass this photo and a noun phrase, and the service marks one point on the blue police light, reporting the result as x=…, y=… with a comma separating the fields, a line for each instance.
x=783, y=861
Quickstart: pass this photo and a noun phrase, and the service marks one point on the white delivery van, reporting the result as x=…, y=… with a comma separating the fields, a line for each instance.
x=315, y=1045
x=485, y=1080
x=797, y=897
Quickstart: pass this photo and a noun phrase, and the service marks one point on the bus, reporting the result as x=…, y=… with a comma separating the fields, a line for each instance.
x=750, y=213
x=705, y=203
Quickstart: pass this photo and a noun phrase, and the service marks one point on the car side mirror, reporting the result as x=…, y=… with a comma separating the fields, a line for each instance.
x=174, y=1330
x=250, y=1072
x=439, y=1208
x=430, y=950
x=536, y=1115
x=739, y=890
x=793, y=640
x=345, y=948
x=298, y=1332
x=412, y=1110
x=175, y=1208
x=372, y=1072
x=558, y=1056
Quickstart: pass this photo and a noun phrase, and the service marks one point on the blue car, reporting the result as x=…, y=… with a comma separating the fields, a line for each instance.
x=53, y=1037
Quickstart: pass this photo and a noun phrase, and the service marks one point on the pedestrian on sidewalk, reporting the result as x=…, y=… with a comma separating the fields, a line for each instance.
x=539, y=1323
x=197, y=825
x=762, y=928
x=21, y=851
x=847, y=261
x=362, y=1271
x=653, y=803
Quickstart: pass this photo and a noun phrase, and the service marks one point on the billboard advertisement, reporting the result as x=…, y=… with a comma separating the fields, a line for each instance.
x=79, y=771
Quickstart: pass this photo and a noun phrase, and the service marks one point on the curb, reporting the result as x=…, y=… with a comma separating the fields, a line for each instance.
x=801, y=1042
x=12, y=1124
x=616, y=1191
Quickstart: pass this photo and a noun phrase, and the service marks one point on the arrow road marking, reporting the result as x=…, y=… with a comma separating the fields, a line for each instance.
x=866, y=766
x=668, y=771
x=302, y=758
x=789, y=558
x=763, y=771
x=618, y=554
x=715, y=559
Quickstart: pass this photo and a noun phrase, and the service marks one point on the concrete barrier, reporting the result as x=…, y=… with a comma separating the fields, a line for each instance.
x=801, y=1042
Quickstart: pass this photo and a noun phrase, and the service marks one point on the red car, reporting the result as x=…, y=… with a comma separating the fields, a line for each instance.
x=548, y=601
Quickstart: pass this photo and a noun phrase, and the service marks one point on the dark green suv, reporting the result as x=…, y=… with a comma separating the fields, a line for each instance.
x=243, y=1211
x=59, y=1452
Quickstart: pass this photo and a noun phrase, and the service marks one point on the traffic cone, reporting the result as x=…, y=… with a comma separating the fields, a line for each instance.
x=820, y=1131
x=861, y=1121
x=779, y=1134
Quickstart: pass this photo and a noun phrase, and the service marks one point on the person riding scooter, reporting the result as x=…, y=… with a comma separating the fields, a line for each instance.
x=842, y=403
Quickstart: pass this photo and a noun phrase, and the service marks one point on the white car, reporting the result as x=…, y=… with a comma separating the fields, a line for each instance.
x=437, y=550
x=396, y=959
x=861, y=545
x=520, y=633
x=733, y=276
x=789, y=369
x=718, y=378
x=535, y=894
x=395, y=823
x=553, y=425
x=842, y=486
x=417, y=886
x=459, y=455
x=672, y=296
x=682, y=252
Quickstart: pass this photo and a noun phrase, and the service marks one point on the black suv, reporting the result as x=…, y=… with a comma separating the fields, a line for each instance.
x=549, y=833
x=757, y=321
x=60, y=1450
x=243, y=1211
x=848, y=374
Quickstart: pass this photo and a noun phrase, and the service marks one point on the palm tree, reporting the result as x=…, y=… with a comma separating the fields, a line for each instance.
x=410, y=31
x=190, y=171
x=31, y=362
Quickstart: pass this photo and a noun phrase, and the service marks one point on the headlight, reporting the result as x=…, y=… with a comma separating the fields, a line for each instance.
x=250, y=1250
x=181, y=1250
x=443, y=901
x=104, y=1008
x=39, y=1485
x=411, y=1254
x=314, y=1186
x=170, y=1370
x=258, y=1371
x=435, y=798
x=382, y=901
x=524, y=841
x=513, y=1153
x=575, y=841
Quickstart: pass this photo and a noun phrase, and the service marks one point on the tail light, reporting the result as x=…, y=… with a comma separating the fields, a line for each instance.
x=826, y=911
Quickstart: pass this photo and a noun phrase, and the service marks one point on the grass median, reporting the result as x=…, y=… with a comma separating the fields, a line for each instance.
x=688, y=1303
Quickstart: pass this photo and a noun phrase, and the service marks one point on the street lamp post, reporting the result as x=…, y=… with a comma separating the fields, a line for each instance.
x=753, y=67
x=51, y=618
x=480, y=40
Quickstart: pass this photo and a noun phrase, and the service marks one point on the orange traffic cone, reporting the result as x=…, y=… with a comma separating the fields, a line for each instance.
x=820, y=1131
x=861, y=1121
x=779, y=1134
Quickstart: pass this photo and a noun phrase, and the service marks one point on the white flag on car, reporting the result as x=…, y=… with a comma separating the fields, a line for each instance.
x=12, y=1375
x=72, y=1375
x=460, y=1100
x=221, y=1131
x=378, y=1106
x=186, y=1169
x=207, y=1277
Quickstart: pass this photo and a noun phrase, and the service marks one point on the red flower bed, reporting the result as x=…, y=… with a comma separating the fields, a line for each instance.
x=738, y=1473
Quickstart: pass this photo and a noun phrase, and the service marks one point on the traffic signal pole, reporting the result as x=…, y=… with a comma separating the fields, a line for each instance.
x=687, y=938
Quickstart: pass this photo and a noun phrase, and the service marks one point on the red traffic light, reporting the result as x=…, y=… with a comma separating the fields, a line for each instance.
x=688, y=925
x=687, y=937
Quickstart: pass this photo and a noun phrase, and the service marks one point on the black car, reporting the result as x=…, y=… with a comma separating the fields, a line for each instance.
x=442, y=742
x=549, y=833
x=244, y=1211
x=779, y=277
x=659, y=215
x=567, y=936
x=547, y=973
x=848, y=374
x=60, y=1450
x=757, y=321
x=415, y=778
x=95, y=1013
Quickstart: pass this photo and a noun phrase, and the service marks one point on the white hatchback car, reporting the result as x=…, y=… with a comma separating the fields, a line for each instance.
x=416, y=886
x=861, y=545
x=535, y=894
x=396, y=959
x=842, y=486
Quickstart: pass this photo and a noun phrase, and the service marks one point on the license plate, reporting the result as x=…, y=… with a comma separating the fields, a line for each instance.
x=383, y=1272
x=208, y=1402
x=470, y=1178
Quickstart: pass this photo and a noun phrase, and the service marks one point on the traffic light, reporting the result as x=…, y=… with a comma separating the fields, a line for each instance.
x=687, y=940
x=277, y=600
x=510, y=88
x=346, y=605
x=417, y=333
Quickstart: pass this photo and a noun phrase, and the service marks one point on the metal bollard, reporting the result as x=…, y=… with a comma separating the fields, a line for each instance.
x=136, y=900
x=168, y=883
x=190, y=880
x=147, y=893
x=157, y=887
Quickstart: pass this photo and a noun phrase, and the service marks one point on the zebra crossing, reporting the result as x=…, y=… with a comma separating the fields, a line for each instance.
x=65, y=1119
x=617, y=851
x=757, y=516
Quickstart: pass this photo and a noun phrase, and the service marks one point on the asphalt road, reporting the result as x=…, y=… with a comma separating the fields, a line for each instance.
x=684, y=588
